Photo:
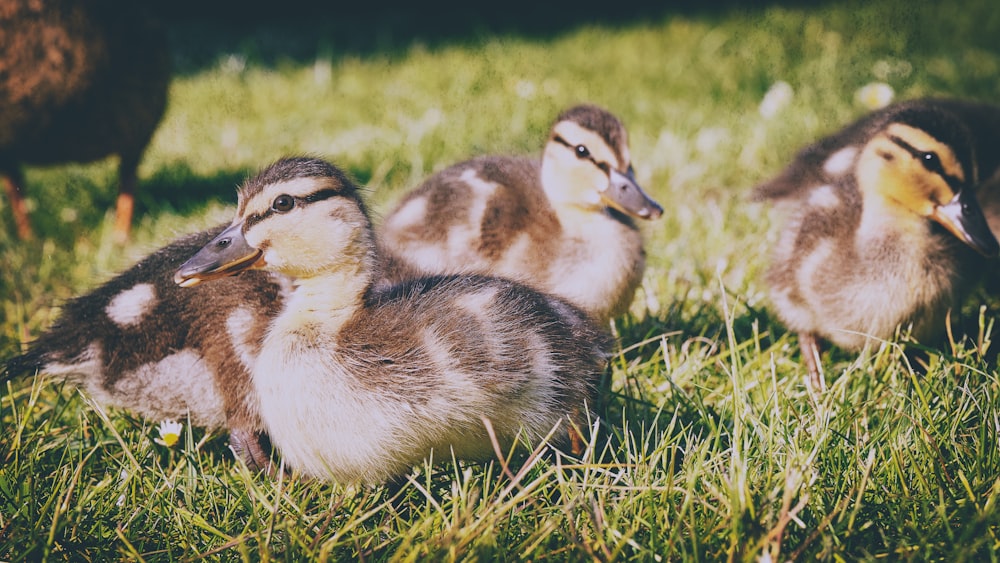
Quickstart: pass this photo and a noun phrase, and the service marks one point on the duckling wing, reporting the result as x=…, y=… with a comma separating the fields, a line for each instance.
x=465, y=218
x=141, y=342
x=96, y=316
x=820, y=163
x=492, y=337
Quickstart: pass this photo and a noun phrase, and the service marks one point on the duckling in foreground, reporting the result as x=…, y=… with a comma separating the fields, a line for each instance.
x=883, y=228
x=359, y=383
x=562, y=224
x=141, y=343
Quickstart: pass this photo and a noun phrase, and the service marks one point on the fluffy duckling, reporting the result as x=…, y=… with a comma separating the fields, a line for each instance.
x=883, y=228
x=141, y=343
x=359, y=383
x=79, y=81
x=563, y=224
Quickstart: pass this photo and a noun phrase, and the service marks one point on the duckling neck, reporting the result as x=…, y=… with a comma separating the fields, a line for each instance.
x=883, y=220
x=322, y=304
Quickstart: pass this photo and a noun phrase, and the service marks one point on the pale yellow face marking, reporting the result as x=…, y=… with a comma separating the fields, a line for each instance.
x=330, y=234
x=569, y=180
x=889, y=170
x=575, y=135
x=924, y=142
x=298, y=187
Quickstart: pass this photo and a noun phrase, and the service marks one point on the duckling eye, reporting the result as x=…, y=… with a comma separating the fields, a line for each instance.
x=932, y=162
x=582, y=151
x=283, y=203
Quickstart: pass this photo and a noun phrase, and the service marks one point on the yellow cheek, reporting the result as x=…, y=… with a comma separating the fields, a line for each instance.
x=910, y=189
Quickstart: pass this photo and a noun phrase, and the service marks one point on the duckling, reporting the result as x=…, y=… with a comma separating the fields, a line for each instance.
x=884, y=226
x=563, y=224
x=79, y=81
x=141, y=343
x=359, y=382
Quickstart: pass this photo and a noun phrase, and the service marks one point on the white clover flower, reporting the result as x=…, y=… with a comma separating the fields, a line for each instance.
x=170, y=433
x=525, y=89
x=777, y=97
x=68, y=215
x=875, y=95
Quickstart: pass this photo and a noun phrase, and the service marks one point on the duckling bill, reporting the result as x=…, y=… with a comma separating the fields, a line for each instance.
x=884, y=229
x=360, y=382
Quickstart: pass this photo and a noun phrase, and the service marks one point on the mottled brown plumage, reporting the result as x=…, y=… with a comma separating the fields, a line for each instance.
x=359, y=382
x=882, y=224
x=79, y=81
x=563, y=224
x=141, y=343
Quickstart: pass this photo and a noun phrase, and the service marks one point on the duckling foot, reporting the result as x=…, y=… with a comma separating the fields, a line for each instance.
x=809, y=346
x=247, y=446
x=12, y=181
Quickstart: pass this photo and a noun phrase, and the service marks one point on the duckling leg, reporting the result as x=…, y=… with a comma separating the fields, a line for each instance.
x=13, y=179
x=127, y=182
x=577, y=444
x=809, y=346
x=246, y=445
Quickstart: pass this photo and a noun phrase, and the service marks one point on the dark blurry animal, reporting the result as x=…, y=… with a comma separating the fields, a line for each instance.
x=79, y=81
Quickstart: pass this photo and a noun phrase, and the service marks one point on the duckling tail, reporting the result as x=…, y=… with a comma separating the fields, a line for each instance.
x=29, y=363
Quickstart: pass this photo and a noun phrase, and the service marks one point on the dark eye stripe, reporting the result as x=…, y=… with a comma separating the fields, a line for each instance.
x=930, y=164
x=320, y=195
x=604, y=166
x=255, y=218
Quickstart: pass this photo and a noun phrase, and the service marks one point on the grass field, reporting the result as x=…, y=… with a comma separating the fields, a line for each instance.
x=721, y=452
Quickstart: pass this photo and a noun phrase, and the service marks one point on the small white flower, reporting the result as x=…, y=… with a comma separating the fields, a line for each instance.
x=776, y=98
x=525, y=89
x=170, y=433
x=875, y=95
x=233, y=64
x=68, y=215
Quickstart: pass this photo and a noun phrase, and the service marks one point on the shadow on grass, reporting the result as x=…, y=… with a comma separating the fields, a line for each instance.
x=180, y=189
x=302, y=30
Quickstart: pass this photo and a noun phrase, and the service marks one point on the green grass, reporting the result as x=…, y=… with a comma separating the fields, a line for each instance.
x=720, y=450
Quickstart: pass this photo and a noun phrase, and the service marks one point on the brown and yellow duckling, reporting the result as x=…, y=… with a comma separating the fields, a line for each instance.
x=563, y=224
x=884, y=229
x=357, y=382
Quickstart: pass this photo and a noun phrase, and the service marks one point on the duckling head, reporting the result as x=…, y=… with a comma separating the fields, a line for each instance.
x=921, y=161
x=301, y=217
x=586, y=164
